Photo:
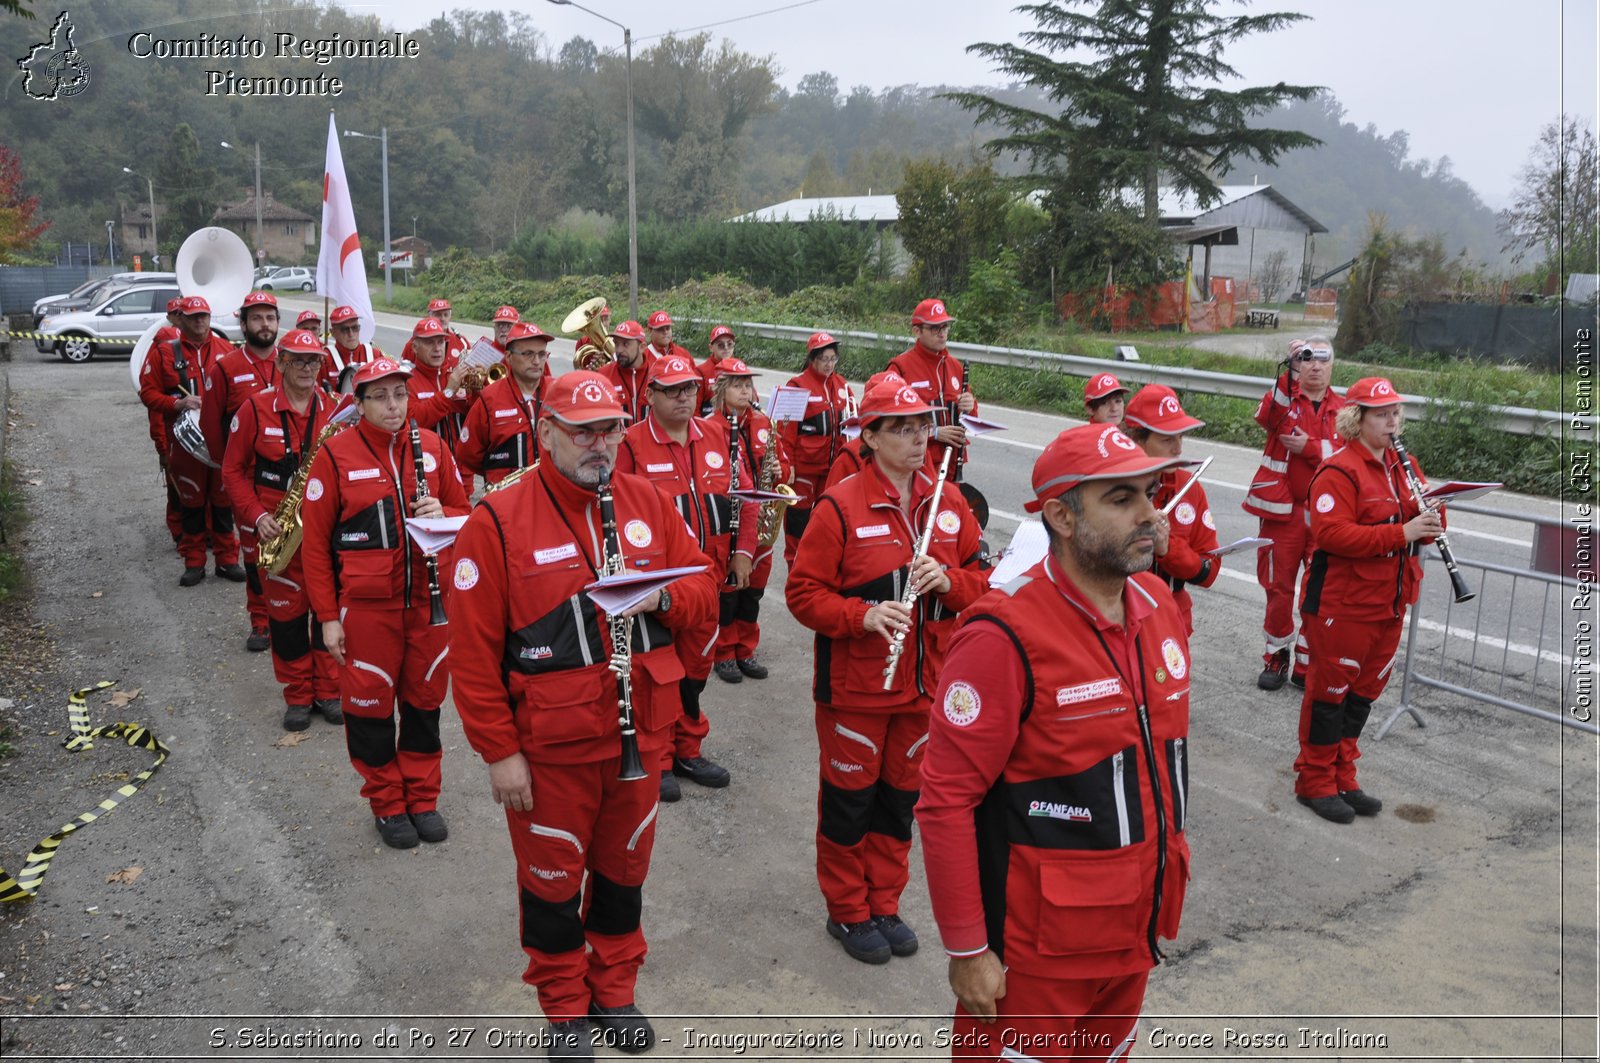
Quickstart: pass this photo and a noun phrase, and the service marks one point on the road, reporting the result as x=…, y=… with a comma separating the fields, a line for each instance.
x=1460, y=923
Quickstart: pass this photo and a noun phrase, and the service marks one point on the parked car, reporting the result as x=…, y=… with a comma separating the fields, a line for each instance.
x=81, y=296
x=120, y=314
x=262, y=272
x=289, y=278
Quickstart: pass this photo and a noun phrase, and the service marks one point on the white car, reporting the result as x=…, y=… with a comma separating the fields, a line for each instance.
x=289, y=278
x=116, y=321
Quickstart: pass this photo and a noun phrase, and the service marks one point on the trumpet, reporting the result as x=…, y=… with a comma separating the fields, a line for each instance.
x=478, y=377
x=1458, y=582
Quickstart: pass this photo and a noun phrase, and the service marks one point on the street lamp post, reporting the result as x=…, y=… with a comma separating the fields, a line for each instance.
x=633, y=198
x=111, y=247
x=388, y=254
x=261, y=243
x=155, y=243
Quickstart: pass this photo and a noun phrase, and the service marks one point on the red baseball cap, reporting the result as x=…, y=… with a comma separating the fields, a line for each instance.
x=194, y=304
x=1157, y=408
x=258, y=299
x=307, y=315
x=884, y=377
x=930, y=312
x=629, y=330
x=507, y=313
x=174, y=304
x=732, y=366
x=582, y=397
x=526, y=330
x=303, y=340
x=379, y=368
x=659, y=319
x=428, y=326
x=438, y=304
x=891, y=398
x=1100, y=386
x=672, y=371
x=1373, y=392
x=719, y=332
x=818, y=341
x=341, y=314
x=1089, y=452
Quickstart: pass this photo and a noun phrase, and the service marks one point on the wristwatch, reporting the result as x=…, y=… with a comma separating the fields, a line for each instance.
x=666, y=601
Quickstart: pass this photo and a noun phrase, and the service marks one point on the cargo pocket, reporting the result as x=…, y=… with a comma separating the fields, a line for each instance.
x=572, y=706
x=660, y=705
x=1089, y=904
x=369, y=575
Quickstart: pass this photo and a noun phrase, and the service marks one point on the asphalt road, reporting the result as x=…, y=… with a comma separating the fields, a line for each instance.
x=1458, y=924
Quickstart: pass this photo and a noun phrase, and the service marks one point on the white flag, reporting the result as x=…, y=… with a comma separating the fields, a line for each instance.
x=341, y=274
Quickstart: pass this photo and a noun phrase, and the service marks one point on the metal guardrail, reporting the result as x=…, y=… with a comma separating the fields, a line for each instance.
x=1516, y=420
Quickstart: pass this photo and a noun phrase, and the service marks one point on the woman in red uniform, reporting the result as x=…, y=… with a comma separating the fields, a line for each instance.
x=814, y=441
x=1365, y=527
x=847, y=585
x=1156, y=421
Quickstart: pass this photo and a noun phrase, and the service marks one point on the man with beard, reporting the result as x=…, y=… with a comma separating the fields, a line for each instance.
x=1055, y=779
x=630, y=369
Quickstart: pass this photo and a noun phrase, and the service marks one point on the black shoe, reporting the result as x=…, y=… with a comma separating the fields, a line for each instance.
x=260, y=639
x=1276, y=672
x=623, y=1027
x=573, y=1039
x=397, y=831
x=234, y=572
x=1331, y=808
x=702, y=771
x=1363, y=804
x=752, y=668
x=329, y=707
x=1299, y=680
x=670, y=790
x=430, y=826
x=863, y=940
x=728, y=672
x=901, y=938
x=192, y=576
x=297, y=717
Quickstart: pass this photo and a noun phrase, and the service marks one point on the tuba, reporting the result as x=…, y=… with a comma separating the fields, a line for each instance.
x=595, y=347
x=215, y=264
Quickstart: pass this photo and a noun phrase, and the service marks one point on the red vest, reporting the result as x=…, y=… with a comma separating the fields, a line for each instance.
x=1280, y=484
x=499, y=435
x=266, y=442
x=169, y=364
x=814, y=443
x=339, y=357
x=1361, y=567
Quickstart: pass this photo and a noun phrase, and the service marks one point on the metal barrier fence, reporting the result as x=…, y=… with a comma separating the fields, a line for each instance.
x=1507, y=647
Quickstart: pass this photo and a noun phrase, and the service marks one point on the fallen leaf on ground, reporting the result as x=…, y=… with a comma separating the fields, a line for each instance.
x=120, y=698
x=126, y=875
x=35, y=483
x=293, y=738
x=64, y=987
x=98, y=594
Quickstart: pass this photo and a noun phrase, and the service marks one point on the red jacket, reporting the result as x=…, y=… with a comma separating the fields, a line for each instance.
x=852, y=459
x=1192, y=531
x=708, y=379
x=1361, y=567
x=937, y=378
x=652, y=352
x=230, y=382
x=529, y=650
x=355, y=547
x=1055, y=781
x=696, y=477
x=159, y=380
x=454, y=344
x=1281, y=483
x=267, y=440
x=856, y=553
x=500, y=435
x=340, y=356
x=814, y=443
x=630, y=385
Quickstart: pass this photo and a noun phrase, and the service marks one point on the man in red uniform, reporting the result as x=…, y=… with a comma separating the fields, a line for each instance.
x=848, y=585
x=940, y=379
x=503, y=319
x=370, y=585
x=1155, y=420
x=1055, y=782
x=1366, y=526
x=310, y=321
x=500, y=434
x=1105, y=399
x=661, y=345
x=230, y=382
x=170, y=384
x=441, y=312
x=158, y=426
x=628, y=372
x=1298, y=414
x=269, y=439
x=687, y=458
x=438, y=401
x=542, y=710
x=814, y=441
x=347, y=352
x=721, y=346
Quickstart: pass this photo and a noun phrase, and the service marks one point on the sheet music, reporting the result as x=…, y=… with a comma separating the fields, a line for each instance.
x=788, y=404
x=1459, y=491
x=1249, y=542
x=1029, y=543
x=621, y=592
x=482, y=352
x=432, y=534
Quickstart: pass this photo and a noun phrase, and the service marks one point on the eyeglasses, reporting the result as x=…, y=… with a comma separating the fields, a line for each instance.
x=354, y=326
x=677, y=392
x=585, y=438
x=911, y=432
x=303, y=363
x=936, y=328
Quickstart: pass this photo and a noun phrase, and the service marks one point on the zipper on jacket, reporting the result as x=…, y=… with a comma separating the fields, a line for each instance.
x=1124, y=835
x=1092, y=715
x=1161, y=823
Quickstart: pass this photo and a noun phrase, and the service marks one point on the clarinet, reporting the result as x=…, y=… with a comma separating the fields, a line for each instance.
x=733, y=485
x=436, y=617
x=897, y=645
x=1458, y=582
x=621, y=640
x=955, y=418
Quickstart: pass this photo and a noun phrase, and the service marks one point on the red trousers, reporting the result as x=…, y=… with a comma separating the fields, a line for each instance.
x=741, y=613
x=1278, y=571
x=871, y=765
x=255, y=596
x=1055, y=1018
x=300, y=659
x=393, y=658
x=582, y=855
x=694, y=647
x=201, y=498
x=1350, y=665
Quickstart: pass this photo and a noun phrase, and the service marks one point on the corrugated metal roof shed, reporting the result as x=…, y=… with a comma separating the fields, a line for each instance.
x=878, y=209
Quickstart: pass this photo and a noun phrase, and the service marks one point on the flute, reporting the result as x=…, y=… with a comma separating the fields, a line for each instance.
x=897, y=645
x=1458, y=582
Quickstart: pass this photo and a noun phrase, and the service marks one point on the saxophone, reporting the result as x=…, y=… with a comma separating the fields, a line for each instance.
x=276, y=553
x=767, y=480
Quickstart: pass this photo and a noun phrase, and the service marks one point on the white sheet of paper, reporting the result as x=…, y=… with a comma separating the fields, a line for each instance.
x=788, y=404
x=753, y=495
x=433, y=534
x=1249, y=542
x=1460, y=491
x=482, y=352
x=619, y=593
x=978, y=426
x=1029, y=544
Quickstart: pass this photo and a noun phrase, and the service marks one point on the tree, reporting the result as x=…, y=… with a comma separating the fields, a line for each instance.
x=948, y=218
x=18, y=230
x=1556, y=211
x=1150, y=105
x=578, y=56
x=193, y=199
x=820, y=180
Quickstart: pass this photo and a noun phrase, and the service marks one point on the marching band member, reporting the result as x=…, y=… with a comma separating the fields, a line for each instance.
x=369, y=584
x=158, y=426
x=814, y=442
x=440, y=311
x=686, y=457
x=1105, y=399
x=848, y=585
x=543, y=712
x=854, y=453
x=1298, y=414
x=629, y=371
x=170, y=384
x=939, y=378
x=346, y=351
x=1155, y=420
x=310, y=321
x=720, y=346
x=503, y=319
x=271, y=435
x=661, y=345
x=1365, y=528
x=734, y=402
x=229, y=383
x=1055, y=782
x=438, y=401
x=500, y=433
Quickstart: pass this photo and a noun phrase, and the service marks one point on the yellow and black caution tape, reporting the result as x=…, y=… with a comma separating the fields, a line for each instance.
x=31, y=877
x=98, y=341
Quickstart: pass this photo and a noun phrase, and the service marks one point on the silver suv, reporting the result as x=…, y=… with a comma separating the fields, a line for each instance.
x=115, y=321
x=84, y=294
x=289, y=278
